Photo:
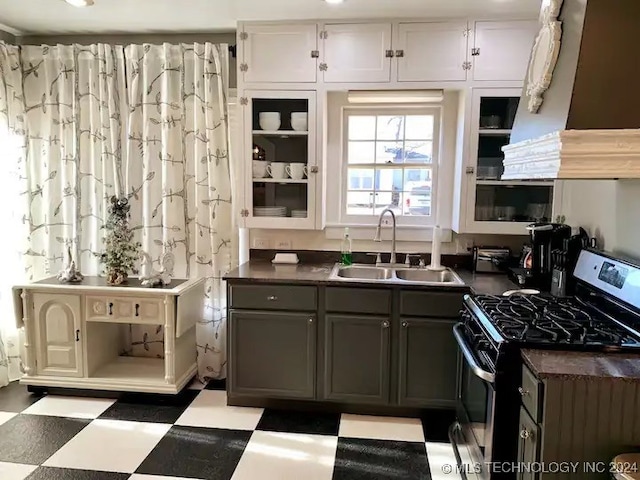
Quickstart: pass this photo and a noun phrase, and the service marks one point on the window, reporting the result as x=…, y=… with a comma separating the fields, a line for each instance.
x=390, y=161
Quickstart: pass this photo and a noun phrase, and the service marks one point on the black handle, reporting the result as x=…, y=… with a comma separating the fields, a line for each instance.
x=137, y=308
x=110, y=308
x=77, y=335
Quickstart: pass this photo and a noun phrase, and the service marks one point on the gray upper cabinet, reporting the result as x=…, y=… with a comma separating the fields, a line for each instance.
x=428, y=363
x=357, y=358
x=272, y=354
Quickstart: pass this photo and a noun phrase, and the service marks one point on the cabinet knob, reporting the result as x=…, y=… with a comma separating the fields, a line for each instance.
x=272, y=298
x=311, y=320
x=405, y=324
x=385, y=324
x=524, y=433
x=523, y=392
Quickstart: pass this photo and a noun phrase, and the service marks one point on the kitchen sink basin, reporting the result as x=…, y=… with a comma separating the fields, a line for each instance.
x=365, y=273
x=431, y=276
x=395, y=274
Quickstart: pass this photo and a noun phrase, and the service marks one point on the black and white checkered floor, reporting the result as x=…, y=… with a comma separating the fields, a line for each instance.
x=195, y=435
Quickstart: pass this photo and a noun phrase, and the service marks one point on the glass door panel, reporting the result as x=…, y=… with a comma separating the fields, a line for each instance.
x=513, y=203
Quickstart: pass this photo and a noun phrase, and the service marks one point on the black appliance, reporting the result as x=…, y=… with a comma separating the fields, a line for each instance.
x=603, y=315
x=564, y=260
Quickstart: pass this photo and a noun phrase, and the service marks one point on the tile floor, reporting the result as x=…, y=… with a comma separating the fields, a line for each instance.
x=195, y=435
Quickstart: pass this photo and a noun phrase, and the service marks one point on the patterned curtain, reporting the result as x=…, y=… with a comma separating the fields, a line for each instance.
x=12, y=148
x=177, y=172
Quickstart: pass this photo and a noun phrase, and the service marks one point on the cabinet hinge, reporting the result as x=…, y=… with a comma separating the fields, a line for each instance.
x=244, y=67
x=315, y=53
x=323, y=67
x=470, y=170
x=388, y=53
x=244, y=35
x=475, y=52
x=323, y=35
x=244, y=213
x=466, y=32
x=244, y=101
x=466, y=65
x=313, y=169
x=399, y=53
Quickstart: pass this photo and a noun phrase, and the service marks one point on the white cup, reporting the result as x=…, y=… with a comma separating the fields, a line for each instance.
x=277, y=170
x=269, y=121
x=297, y=171
x=260, y=168
x=299, y=121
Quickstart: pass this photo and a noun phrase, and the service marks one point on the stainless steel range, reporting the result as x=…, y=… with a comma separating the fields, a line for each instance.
x=604, y=315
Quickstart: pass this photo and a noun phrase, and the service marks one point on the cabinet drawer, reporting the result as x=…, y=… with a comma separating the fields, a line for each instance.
x=273, y=297
x=358, y=300
x=430, y=304
x=531, y=392
x=125, y=310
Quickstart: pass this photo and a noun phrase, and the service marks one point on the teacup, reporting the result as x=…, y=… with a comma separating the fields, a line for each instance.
x=297, y=171
x=260, y=168
x=269, y=120
x=299, y=121
x=277, y=170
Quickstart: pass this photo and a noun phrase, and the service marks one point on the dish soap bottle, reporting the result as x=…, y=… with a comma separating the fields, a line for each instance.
x=346, y=257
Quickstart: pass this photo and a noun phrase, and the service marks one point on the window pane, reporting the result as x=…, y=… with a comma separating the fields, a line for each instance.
x=418, y=200
x=360, y=203
x=419, y=127
x=391, y=127
x=360, y=179
x=362, y=127
x=416, y=176
x=361, y=152
x=392, y=200
x=389, y=152
x=390, y=179
x=418, y=152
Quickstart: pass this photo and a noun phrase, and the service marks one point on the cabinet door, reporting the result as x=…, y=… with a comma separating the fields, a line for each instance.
x=357, y=52
x=528, y=444
x=279, y=53
x=272, y=354
x=356, y=359
x=57, y=325
x=432, y=51
x=428, y=363
x=502, y=49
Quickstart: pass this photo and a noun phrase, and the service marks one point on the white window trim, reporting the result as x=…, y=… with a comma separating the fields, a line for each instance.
x=418, y=228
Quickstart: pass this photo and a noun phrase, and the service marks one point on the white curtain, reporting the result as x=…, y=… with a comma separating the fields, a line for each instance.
x=12, y=148
x=177, y=172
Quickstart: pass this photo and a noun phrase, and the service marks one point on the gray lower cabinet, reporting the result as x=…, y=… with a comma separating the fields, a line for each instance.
x=528, y=444
x=428, y=363
x=357, y=358
x=272, y=354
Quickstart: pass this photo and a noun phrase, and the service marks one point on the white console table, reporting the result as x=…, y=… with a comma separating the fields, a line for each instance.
x=73, y=334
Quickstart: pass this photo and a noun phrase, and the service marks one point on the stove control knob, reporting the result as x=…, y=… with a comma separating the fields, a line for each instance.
x=523, y=392
x=524, y=433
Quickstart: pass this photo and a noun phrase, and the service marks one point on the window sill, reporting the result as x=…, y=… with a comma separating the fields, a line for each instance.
x=404, y=233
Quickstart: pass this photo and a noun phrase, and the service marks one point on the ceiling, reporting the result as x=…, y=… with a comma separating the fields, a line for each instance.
x=157, y=16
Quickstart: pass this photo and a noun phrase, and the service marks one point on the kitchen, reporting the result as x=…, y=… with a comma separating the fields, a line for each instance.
x=376, y=222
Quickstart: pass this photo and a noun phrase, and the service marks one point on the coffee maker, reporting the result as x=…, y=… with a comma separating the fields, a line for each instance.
x=536, y=270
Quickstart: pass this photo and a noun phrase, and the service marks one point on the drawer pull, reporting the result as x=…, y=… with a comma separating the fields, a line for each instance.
x=523, y=392
x=272, y=298
x=137, y=310
x=77, y=335
x=524, y=433
x=110, y=308
x=385, y=324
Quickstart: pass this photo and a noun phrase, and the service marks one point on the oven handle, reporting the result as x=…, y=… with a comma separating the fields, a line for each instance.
x=468, y=355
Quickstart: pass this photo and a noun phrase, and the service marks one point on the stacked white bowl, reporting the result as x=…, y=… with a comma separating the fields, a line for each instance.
x=299, y=121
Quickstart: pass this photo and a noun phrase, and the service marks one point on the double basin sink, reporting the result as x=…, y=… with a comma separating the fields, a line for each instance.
x=395, y=274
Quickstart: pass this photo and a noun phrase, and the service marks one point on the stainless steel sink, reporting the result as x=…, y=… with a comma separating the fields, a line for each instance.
x=397, y=274
x=431, y=276
x=364, y=273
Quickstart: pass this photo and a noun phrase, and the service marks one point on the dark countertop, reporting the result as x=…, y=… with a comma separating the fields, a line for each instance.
x=257, y=271
x=575, y=365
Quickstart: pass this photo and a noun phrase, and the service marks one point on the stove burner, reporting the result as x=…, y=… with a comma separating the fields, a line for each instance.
x=544, y=319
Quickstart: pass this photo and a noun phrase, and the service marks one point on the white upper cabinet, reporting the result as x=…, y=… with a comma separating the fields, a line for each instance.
x=279, y=53
x=356, y=52
x=501, y=50
x=432, y=51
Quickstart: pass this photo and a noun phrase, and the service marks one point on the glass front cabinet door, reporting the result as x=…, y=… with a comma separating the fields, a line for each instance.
x=279, y=152
x=495, y=205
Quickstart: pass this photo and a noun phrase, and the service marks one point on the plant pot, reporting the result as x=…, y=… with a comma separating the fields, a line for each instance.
x=116, y=277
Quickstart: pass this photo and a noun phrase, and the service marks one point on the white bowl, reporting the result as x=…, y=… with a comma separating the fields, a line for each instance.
x=269, y=124
x=299, y=125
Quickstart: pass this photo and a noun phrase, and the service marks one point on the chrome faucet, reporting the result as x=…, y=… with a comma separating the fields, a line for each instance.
x=378, y=238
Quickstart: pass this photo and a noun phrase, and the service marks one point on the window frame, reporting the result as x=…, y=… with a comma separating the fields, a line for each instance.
x=378, y=110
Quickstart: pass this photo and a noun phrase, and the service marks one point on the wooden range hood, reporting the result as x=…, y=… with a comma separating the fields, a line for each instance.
x=588, y=126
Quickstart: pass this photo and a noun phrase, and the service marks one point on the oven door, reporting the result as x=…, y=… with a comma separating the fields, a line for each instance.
x=475, y=406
